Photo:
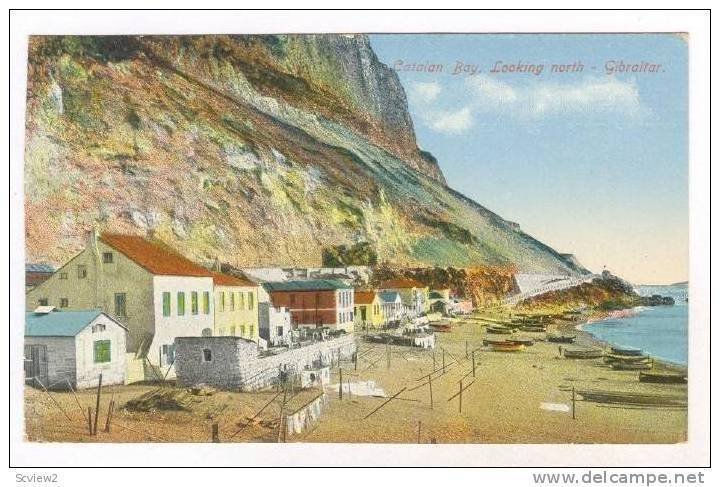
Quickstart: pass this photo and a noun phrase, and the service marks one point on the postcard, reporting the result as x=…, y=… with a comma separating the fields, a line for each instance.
x=355, y=238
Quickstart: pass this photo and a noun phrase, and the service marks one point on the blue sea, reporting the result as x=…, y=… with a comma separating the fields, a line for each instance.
x=662, y=331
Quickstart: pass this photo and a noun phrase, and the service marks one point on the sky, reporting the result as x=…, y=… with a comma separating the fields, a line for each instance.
x=589, y=157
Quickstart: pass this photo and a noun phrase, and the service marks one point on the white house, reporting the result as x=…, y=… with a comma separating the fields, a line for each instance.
x=154, y=292
x=72, y=348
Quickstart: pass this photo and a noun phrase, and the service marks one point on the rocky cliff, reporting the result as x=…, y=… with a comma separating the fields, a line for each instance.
x=257, y=150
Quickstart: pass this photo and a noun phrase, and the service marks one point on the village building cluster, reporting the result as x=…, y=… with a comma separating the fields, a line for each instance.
x=124, y=303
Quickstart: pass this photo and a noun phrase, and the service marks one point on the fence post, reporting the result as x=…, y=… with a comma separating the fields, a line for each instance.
x=473, y=359
x=97, y=405
x=573, y=402
x=215, y=433
x=341, y=384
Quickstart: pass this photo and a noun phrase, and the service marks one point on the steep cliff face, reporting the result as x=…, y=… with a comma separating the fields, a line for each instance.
x=258, y=150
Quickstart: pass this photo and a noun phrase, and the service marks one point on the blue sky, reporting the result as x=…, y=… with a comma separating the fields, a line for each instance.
x=589, y=162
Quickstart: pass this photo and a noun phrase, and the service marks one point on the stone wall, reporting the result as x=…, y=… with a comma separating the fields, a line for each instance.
x=236, y=366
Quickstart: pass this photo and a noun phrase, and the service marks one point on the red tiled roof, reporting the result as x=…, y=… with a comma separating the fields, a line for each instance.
x=401, y=284
x=154, y=257
x=227, y=280
x=364, y=297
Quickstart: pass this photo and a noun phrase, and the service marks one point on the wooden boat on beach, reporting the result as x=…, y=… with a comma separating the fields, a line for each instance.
x=507, y=346
x=528, y=342
x=583, y=353
x=557, y=338
x=626, y=351
x=499, y=330
x=533, y=328
x=644, y=365
x=632, y=398
x=441, y=327
x=663, y=377
x=612, y=359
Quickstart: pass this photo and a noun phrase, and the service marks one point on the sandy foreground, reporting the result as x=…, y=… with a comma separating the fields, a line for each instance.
x=502, y=403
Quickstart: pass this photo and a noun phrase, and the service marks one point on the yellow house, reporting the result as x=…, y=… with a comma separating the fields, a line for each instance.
x=368, y=308
x=236, y=307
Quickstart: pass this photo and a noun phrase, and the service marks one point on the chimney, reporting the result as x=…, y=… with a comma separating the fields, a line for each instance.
x=92, y=237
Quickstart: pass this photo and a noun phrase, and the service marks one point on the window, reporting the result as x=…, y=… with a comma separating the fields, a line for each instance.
x=242, y=300
x=42, y=302
x=242, y=330
x=63, y=275
x=279, y=331
x=232, y=330
x=82, y=271
x=64, y=302
x=166, y=304
x=194, y=302
x=181, y=303
x=251, y=300
x=222, y=301
x=206, y=302
x=207, y=355
x=99, y=327
x=101, y=351
x=232, y=302
x=107, y=257
x=120, y=305
x=252, y=330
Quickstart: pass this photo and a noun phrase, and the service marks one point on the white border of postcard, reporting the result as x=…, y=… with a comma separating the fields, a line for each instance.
x=693, y=453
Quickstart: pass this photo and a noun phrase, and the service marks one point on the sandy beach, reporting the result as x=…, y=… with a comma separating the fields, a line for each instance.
x=518, y=397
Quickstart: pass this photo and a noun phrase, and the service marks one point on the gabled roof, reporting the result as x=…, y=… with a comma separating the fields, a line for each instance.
x=364, y=297
x=220, y=279
x=46, y=268
x=319, y=285
x=154, y=257
x=60, y=323
x=402, y=283
x=389, y=297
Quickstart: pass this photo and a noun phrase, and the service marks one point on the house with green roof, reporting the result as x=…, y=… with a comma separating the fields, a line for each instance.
x=66, y=349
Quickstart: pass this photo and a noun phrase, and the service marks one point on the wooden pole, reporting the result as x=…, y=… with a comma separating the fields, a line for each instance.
x=419, y=426
x=466, y=350
x=473, y=359
x=77, y=400
x=460, y=402
x=341, y=384
x=387, y=352
x=215, y=433
x=443, y=358
x=111, y=407
x=433, y=360
x=89, y=420
x=355, y=359
x=431, y=394
x=97, y=404
x=573, y=402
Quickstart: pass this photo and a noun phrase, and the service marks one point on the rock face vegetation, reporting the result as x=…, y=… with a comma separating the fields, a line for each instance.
x=255, y=150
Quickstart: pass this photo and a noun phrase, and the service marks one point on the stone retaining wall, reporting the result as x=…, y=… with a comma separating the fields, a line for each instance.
x=235, y=365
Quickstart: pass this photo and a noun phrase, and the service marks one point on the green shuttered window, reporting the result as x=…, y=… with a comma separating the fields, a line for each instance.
x=101, y=349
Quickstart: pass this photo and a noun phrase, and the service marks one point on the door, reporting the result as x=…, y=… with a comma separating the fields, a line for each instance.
x=36, y=366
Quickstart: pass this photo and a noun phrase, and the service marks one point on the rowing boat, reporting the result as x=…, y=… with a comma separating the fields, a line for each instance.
x=507, y=346
x=499, y=330
x=585, y=353
x=533, y=329
x=632, y=398
x=611, y=359
x=663, y=377
x=626, y=351
x=561, y=338
x=645, y=365
x=528, y=342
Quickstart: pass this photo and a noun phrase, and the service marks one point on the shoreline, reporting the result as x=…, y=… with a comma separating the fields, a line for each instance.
x=586, y=338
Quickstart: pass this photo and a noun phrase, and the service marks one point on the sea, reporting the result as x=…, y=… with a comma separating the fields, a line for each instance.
x=661, y=331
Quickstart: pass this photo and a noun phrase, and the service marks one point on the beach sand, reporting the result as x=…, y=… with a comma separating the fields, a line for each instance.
x=502, y=403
